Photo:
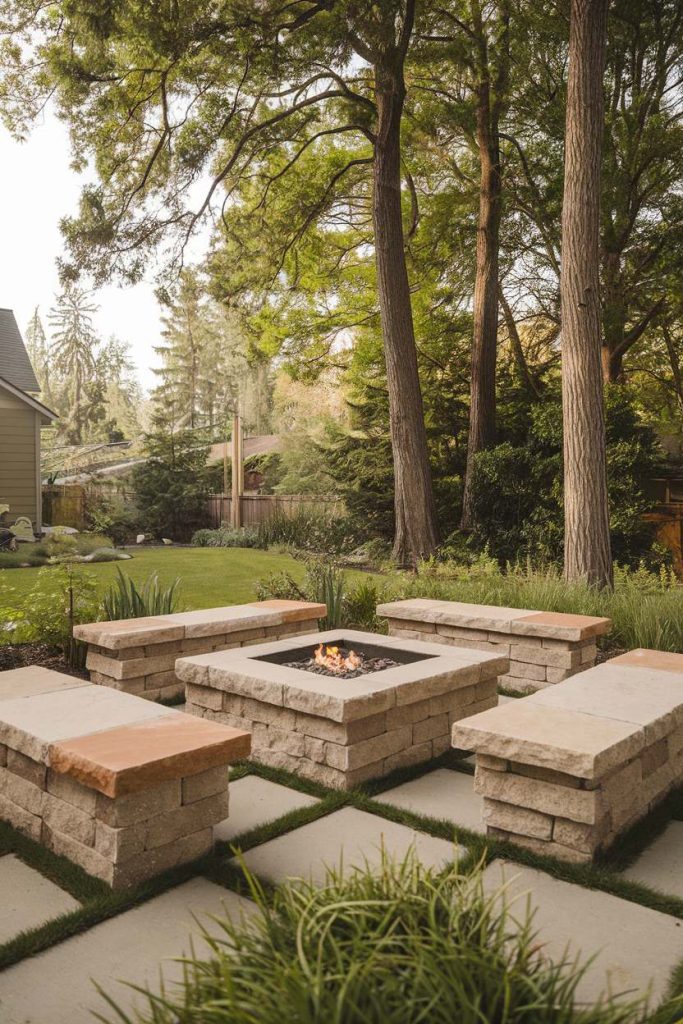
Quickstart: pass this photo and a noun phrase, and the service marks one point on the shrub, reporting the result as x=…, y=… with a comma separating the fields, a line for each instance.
x=360, y=606
x=326, y=583
x=310, y=530
x=121, y=520
x=172, y=485
x=226, y=537
x=518, y=492
x=400, y=946
x=125, y=600
x=62, y=597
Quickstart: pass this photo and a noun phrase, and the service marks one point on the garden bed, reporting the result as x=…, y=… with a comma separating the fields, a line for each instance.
x=45, y=655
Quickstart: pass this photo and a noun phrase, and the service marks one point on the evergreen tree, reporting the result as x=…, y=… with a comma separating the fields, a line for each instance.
x=73, y=355
x=39, y=354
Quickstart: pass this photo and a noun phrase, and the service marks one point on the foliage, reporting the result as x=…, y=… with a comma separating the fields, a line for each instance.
x=315, y=530
x=360, y=606
x=323, y=582
x=207, y=369
x=397, y=946
x=326, y=583
x=56, y=547
x=171, y=485
x=518, y=486
x=114, y=517
x=126, y=600
x=61, y=597
x=646, y=608
x=226, y=537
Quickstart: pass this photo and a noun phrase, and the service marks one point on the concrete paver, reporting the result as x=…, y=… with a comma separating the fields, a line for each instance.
x=346, y=838
x=255, y=801
x=440, y=794
x=635, y=949
x=27, y=899
x=661, y=865
x=57, y=987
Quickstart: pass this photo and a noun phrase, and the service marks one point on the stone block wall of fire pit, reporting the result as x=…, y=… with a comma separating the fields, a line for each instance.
x=342, y=731
x=138, y=656
x=543, y=647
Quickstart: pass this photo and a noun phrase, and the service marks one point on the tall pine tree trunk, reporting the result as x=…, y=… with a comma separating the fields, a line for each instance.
x=489, y=99
x=482, y=428
x=416, y=530
x=587, y=543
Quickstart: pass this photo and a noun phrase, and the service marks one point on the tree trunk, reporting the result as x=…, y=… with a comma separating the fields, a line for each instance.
x=587, y=542
x=482, y=425
x=416, y=530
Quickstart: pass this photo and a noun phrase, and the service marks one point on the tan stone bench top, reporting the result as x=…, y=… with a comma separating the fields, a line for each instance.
x=589, y=723
x=109, y=740
x=552, y=625
x=141, y=756
x=201, y=622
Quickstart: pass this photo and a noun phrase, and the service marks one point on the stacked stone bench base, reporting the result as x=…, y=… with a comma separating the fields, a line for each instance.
x=341, y=732
x=543, y=647
x=566, y=771
x=138, y=655
x=123, y=788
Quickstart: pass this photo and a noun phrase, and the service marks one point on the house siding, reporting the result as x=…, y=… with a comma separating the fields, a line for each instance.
x=19, y=450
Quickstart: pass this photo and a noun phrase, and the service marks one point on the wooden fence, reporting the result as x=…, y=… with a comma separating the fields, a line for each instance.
x=257, y=508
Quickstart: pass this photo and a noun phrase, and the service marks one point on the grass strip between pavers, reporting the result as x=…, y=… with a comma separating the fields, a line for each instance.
x=223, y=866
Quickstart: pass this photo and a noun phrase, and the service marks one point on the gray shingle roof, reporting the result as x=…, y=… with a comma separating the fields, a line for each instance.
x=15, y=365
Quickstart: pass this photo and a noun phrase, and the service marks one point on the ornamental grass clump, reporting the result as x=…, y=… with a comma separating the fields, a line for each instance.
x=125, y=600
x=400, y=946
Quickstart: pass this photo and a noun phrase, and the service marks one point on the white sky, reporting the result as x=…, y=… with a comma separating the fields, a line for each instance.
x=37, y=188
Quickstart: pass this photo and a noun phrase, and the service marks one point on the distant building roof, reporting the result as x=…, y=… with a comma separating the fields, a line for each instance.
x=263, y=444
x=15, y=365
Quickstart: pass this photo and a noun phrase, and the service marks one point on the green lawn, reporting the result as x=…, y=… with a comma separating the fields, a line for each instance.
x=210, y=577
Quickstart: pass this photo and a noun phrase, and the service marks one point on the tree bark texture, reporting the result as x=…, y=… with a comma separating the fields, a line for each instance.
x=482, y=421
x=416, y=530
x=587, y=542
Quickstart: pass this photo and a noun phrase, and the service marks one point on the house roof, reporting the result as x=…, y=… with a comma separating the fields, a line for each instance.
x=47, y=415
x=15, y=365
x=262, y=444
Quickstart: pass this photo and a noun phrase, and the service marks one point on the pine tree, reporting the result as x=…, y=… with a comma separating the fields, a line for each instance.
x=39, y=354
x=73, y=355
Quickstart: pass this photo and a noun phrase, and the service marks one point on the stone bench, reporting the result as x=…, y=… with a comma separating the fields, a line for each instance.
x=565, y=771
x=124, y=788
x=342, y=731
x=543, y=647
x=138, y=655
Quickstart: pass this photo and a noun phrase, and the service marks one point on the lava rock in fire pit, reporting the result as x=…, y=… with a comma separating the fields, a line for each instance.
x=340, y=663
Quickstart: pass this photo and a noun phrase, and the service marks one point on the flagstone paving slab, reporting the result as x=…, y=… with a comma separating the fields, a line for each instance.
x=58, y=986
x=440, y=794
x=27, y=899
x=255, y=801
x=347, y=838
x=661, y=865
x=635, y=949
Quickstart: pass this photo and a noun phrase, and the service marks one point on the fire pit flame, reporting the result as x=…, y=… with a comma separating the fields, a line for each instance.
x=333, y=660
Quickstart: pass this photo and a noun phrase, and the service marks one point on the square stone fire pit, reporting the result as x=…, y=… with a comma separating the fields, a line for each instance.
x=343, y=730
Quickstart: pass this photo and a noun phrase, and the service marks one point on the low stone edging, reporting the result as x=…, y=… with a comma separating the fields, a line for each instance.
x=543, y=647
x=567, y=770
x=342, y=732
x=138, y=656
x=123, y=788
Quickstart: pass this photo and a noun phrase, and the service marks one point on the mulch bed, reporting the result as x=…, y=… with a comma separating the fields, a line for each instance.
x=22, y=655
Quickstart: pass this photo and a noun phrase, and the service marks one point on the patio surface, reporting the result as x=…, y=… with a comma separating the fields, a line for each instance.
x=636, y=947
